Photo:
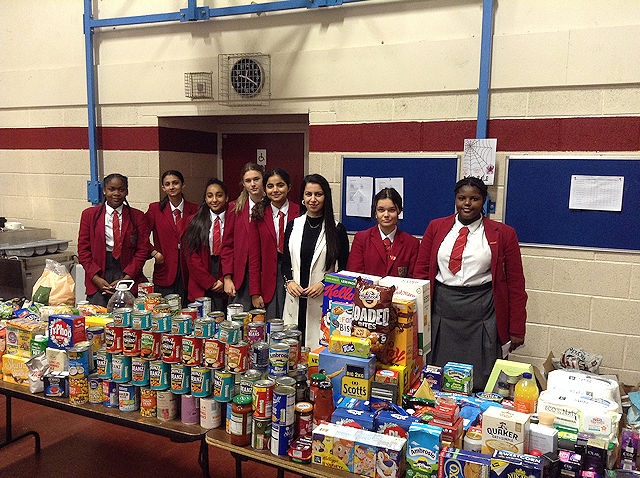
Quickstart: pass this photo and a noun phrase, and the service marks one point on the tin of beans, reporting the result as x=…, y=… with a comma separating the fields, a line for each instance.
x=151, y=300
x=180, y=378
x=148, y=402
x=201, y=381
x=171, y=348
x=190, y=311
x=138, y=303
x=204, y=327
x=161, y=322
x=103, y=363
x=139, y=371
x=113, y=338
x=237, y=357
x=223, y=385
x=109, y=393
x=248, y=379
x=120, y=368
x=181, y=325
x=159, y=373
x=141, y=319
x=284, y=400
x=229, y=332
x=213, y=353
x=256, y=332
x=131, y=341
x=122, y=316
x=263, y=398
x=150, y=343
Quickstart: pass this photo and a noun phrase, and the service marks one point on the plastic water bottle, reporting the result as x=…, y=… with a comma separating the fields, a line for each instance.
x=122, y=297
x=525, y=395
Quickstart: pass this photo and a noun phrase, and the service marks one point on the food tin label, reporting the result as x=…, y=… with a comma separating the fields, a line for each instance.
x=131, y=341
x=139, y=371
x=180, y=378
x=167, y=404
x=141, y=319
x=279, y=353
x=233, y=309
x=109, y=393
x=206, y=305
x=294, y=346
x=201, y=382
x=150, y=342
x=263, y=398
x=151, y=300
x=213, y=353
x=260, y=355
x=103, y=363
x=247, y=380
x=159, y=375
x=197, y=306
x=120, y=368
x=95, y=335
x=192, y=348
x=256, y=331
x=95, y=389
x=171, y=348
x=237, y=357
x=223, y=385
x=78, y=390
x=122, y=316
x=181, y=325
x=148, y=402
x=174, y=300
x=275, y=325
x=210, y=413
x=113, y=338
x=204, y=327
x=189, y=409
x=261, y=433
x=161, y=322
x=281, y=437
x=284, y=400
x=229, y=332
x=128, y=397
x=257, y=315
x=145, y=288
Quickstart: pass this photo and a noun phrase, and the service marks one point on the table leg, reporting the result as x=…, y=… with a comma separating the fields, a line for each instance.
x=203, y=458
x=9, y=438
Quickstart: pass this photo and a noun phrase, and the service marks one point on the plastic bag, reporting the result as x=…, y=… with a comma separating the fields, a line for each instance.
x=55, y=286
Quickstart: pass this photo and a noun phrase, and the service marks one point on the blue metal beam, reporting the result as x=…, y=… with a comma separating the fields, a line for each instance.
x=485, y=69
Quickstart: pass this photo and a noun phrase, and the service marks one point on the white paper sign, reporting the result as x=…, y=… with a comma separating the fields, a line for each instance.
x=596, y=193
x=359, y=195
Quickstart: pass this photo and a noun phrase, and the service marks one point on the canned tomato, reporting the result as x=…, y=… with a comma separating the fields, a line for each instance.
x=95, y=389
x=261, y=433
x=190, y=311
x=293, y=352
x=237, y=357
x=145, y=288
x=161, y=322
x=151, y=300
x=213, y=353
x=233, y=309
x=304, y=419
x=150, y=342
x=275, y=325
x=204, y=327
x=95, y=335
x=109, y=393
x=167, y=404
x=206, y=305
x=248, y=379
x=281, y=437
x=171, y=348
x=120, y=368
x=122, y=316
x=260, y=355
x=181, y=325
x=159, y=372
x=131, y=341
x=180, y=378
x=201, y=383
x=141, y=319
x=223, y=385
x=139, y=371
x=192, y=348
x=113, y=338
x=284, y=400
x=263, y=398
x=197, y=306
x=128, y=397
x=256, y=331
x=103, y=363
x=174, y=300
x=229, y=332
x=148, y=402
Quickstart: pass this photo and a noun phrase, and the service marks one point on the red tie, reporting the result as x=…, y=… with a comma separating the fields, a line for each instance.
x=280, y=232
x=216, y=237
x=387, y=244
x=455, y=261
x=117, y=237
x=177, y=216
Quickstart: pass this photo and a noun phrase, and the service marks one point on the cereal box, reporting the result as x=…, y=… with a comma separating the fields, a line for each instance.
x=15, y=370
x=423, y=448
x=402, y=346
x=65, y=330
x=456, y=463
x=340, y=314
x=20, y=332
x=506, y=464
x=349, y=417
x=504, y=430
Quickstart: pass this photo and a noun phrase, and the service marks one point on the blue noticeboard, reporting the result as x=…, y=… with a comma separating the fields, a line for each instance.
x=537, y=202
x=428, y=187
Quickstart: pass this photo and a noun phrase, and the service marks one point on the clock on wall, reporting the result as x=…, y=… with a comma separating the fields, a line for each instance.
x=247, y=77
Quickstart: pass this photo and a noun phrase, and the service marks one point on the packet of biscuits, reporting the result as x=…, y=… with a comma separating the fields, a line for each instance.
x=373, y=314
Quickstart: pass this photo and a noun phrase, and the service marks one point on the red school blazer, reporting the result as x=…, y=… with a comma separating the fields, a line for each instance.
x=368, y=256
x=92, y=244
x=234, y=254
x=166, y=239
x=263, y=254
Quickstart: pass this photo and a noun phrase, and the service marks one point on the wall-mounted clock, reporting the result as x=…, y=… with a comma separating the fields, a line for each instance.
x=247, y=77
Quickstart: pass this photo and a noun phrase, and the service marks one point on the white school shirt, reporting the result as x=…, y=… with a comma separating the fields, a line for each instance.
x=213, y=216
x=108, y=224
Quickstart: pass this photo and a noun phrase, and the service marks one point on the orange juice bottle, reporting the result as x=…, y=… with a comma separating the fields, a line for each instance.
x=525, y=395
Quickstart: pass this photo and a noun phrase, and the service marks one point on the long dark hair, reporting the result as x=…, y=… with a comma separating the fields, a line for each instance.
x=330, y=231
x=197, y=232
x=259, y=209
x=170, y=172
x=244, y=195
x=387, y=193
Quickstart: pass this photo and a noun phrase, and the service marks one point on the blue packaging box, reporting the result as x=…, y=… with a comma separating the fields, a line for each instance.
x=338, y=366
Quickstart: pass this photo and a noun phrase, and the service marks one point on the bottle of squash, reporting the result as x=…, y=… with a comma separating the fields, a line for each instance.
x=525, y=395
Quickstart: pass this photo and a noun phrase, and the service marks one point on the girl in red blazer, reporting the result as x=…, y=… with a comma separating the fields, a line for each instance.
x=384, y=250
x=168, y=220
x=235, y=246
x=266, y=243
x=113, y=242
x=202, y=241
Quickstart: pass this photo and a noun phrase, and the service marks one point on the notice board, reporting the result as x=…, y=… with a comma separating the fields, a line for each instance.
x=537, y=202
x=428, y=182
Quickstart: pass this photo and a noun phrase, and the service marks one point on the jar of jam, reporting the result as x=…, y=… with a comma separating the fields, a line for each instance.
x=316, y=378
x=304, y=419
x=323, y=406
x=240, y=423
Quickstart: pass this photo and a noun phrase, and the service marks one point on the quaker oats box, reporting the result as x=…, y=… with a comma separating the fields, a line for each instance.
x=506, y=464
x=504, y=430
x=457, y=463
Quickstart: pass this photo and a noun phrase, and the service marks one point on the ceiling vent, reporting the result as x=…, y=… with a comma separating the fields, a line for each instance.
x=244, y=79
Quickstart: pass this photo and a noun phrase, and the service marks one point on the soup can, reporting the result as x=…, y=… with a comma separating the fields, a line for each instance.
x=260, y=433
x=275, y=325
x=204, y=327
x=247, y=380
x=139, y=371
x=181, y=325
x=95, y=389
x=145, y=288
x=131, y=341
x=284, y=400
x=210, y=413
x=237, y=357
x=120, y=368
x=262, y=396
x=151, y=300
x=95, y=335
x=223, y=385
x=161, y=322
x=161, y=308
x=197, y=306
x=190, y=311
x=213, y=353
x=260, y=355
x=233, y=309
x=256, y=331
x=113, y=338
x=148, y=402
x=206, y=305
x=171, y=348
x=141, y=319
x=159, y=373
x=201, y=382
x=167, y=405
x=180, y=379
x=229, y=332
x=150, y=343
x=174, y=300
x=109, y=393
x=192, y=350
x=281, y=437
x=128, y=397
x=103, y=363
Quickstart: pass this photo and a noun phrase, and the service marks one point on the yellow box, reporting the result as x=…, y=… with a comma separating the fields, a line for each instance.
x=15, y=370
x=314, y=359
x=356, y=387
x=95, y=320
x=353, y=346
x=404, y=374
x=20, y=332
x=402, y=346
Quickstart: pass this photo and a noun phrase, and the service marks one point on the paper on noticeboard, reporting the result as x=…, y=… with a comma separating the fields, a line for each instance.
x=359, y=196
x=596, y=193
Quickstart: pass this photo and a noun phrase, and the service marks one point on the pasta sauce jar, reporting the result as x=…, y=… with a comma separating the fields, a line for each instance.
x=240, y=425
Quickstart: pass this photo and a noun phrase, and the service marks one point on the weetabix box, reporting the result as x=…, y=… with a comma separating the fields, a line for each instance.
x=65, y=331
x=504, y=430
x=20, y=332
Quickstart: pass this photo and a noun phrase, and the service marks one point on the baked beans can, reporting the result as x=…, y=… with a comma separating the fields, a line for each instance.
x=181, y=325
x=141, y=319
x=197, y=306
x=204, y=327
x=229, y=332
x=210, y=413
x=247, y=380
x=275, y=325
x=201, y=381
x=174, y=300
x=78, y=389
x=120, y=368
x=206, y=305
x=171, y=348
x=192, y=350
x=213, y=353
x=261, y=433
x=113, y=338
x=277, y=337
x=148, y=402
x=161, y=322
x=162, y=308
x=256, y=331
x=281, y=438
x=189, y=409
x=151, y=300
x=138, y=303
x=95, y=335
x=190, y=311
x=243, y=318
x=180, y=379
x=237, y=357
x=131, y=341
x=103, y=364
x=304, y=419
x=223, y=385
x=122, y=316
x=167, y=405
x=233, y=309
x=260, y=355
x=284, y=400
x=139, y=371
x=95, y=389
x=109, y=393
x=294, y=346
x=145, y=288
x=128, y=397
x=159, y=373
x=150, y=342
x=262, y=396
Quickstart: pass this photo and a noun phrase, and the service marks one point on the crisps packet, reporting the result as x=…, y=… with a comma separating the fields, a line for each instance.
x=373, y=315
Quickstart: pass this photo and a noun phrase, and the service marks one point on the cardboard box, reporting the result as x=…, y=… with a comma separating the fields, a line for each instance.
x=504, y=429
x=20, y=332
x=456, y=463
x=338, y=366
x=457, y=377
x=501, y=369
x=349, y=417
x=403, y=375
x=65, y=331
x=506, y=464
x=15, y=370
x=402, y=343
x=423, y=449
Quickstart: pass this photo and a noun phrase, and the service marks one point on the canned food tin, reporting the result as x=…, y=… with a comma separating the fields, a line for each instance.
x=213, y=353
x=261, y=433
x=281, y=437
x=304, y=419
x=190, y=311
x=174, y=300
x=197, y=306
x=150, y=342
x=78, y=389
x=148, y=402
x=95, y=335
x=122, y=316
x=210, y=413
x=277, y=337
x=120, y=368
x=233, y=309
x=159, y=372
x=131, y=341
x=247, y=380
x=181, y=325
x=139, y=371
x=294, y=346
x=109, y=393
x=279, y=369
x=161, y=322
x=293, y=334
x=201, y=383
x=180, y=379
x=223, y=385
x=151, y=300
x=145, y=288
x=275, y=325
x=243, y=318
x=206, y=305
x=216, y=315
x=103, y=363
x=113, y=338
x=286, y=381
x=138, y=303
x=284, y=400
x=171, y=348
x=303, y=355
x=167, y=404
x=79, y=361
x=161, y=308
x=257, y=315
x=229, y=332
x=141, y=319
x=204, y=327
x=189, y=409
x=95, y=389
x=256, y=331
x=175, y=310
x=192, y=348
x=128, y=397
x=260, y=355
x=263, y=398
x=237, y=357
